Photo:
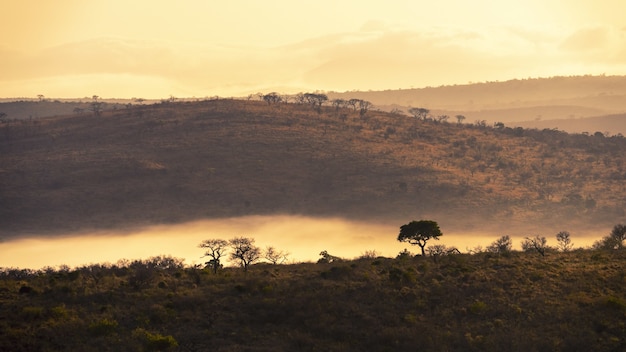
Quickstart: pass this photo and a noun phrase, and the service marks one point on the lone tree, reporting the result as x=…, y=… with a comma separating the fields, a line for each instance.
x=244, y=251
x=215, y=248
x=564, y=242
x=419, y=232
x=419, y=113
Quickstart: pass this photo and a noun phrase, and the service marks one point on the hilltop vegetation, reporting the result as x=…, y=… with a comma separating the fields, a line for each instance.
x=174, y=162
x=513, y=301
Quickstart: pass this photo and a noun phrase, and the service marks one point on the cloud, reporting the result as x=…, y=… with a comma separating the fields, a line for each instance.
x=587, y=39
x=376, y=56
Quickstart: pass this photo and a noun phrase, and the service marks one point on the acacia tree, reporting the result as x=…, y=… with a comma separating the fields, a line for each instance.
x=215, y=248
x=419, y=113
x=244, y=251
x=419, y=232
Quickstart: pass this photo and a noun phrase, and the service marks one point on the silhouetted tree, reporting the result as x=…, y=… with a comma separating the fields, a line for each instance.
x=419, y=232
x=272, y=98
x=275, y=256
x=244, y=251
x=564, y=243
x=536, y=243
x=96, y=105
x=364, y=106
x=215, y=248
x=419, y=113
x=316, y=100
x=460, y=118
x=615, y=240
x=502, y=245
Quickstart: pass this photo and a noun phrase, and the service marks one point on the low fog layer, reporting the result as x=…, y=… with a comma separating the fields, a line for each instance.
x=303, y=237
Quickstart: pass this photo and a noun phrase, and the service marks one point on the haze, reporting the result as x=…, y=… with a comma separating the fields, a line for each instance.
x=154, y=49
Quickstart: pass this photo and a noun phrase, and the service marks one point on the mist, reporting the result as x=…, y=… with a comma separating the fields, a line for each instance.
x=303, y=237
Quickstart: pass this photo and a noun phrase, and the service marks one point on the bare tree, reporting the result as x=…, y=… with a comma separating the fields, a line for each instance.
x=215, y=248
x=564, y=242
x=275, y=256
x=536, y=243
x=244, y=251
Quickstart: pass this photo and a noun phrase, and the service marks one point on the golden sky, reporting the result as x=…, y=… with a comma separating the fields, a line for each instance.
x=154, y=48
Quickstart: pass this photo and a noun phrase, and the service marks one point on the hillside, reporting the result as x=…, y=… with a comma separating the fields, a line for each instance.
x=572, y=301
x=557, y=98
x=177, y=162
x=610, y=124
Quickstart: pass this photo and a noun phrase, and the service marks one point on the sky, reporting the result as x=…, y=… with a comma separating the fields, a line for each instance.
x=192, y=48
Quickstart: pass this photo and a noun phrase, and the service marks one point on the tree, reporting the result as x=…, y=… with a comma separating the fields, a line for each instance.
x=502, y=245
x=215, y=248
x=419, y=113
x=272, y=98
x=535, y=244
x=364, y=106
x=615, y=240
x=353, y=103
x=316, y=100
x=244, y=251
x=275, y=256
x=419, y=232
x=96, y=105
x=459, y=119
x=564, y=243
x=41, y=97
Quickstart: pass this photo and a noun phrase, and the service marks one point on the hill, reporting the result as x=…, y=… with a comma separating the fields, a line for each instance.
x=177, y=162
x=512, y=101
x=610, y=124
x=571, y=301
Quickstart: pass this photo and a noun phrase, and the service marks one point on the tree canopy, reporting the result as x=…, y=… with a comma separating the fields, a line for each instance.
x=419, y=232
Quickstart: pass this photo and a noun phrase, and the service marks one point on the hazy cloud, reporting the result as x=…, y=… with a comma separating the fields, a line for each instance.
x=377, y=56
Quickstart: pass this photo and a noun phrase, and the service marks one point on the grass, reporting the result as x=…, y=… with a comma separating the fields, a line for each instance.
x=480, y=302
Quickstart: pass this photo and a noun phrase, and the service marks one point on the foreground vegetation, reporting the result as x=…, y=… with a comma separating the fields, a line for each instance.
x=510, y=301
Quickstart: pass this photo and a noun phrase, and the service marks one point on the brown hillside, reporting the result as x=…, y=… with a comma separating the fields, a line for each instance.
x=175, y=162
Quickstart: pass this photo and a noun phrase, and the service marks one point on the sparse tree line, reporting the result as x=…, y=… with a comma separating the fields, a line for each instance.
x=244, y=252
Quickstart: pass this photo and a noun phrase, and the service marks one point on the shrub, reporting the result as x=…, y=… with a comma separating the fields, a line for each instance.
x=104, y=327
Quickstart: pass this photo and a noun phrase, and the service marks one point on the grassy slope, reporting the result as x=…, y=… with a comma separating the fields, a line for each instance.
x=171, y=163
x=515, y=302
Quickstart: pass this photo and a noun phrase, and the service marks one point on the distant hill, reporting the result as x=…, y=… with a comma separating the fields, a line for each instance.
x=511, y=101
x=176, y=162
x=610, y=124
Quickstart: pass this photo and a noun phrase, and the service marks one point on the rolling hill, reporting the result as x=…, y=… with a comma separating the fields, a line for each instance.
x=177, y=162
x=558, y=98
